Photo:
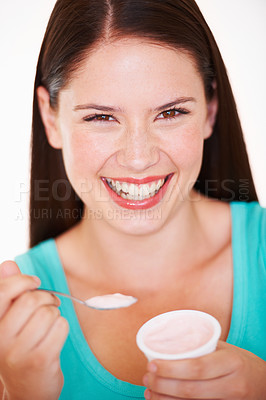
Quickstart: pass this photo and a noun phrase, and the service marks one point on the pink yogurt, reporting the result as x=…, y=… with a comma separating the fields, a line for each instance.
x=110, y=301
x=179, y=334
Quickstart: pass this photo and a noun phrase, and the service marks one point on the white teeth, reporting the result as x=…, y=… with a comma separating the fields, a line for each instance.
x=118, y=186
x=152, y=187
x=145, y=190
x=139, y=191
x=159, y=184
x=131, y=191
x=125, y=187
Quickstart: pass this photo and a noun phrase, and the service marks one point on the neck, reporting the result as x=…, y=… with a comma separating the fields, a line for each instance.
x=129, y=261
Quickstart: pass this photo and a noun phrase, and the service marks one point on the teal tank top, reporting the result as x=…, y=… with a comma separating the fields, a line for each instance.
x=85, y=378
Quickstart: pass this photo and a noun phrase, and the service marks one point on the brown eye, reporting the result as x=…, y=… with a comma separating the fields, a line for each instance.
x=102, y=117
x=169, y=113
x=173, y=113
x=98, y=117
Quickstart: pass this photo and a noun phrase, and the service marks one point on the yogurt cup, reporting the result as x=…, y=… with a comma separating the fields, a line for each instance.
x=179, y=334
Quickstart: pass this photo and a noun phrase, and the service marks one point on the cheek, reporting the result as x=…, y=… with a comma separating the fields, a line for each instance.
x=83, y=158
x=84, y=155
x=186, y=148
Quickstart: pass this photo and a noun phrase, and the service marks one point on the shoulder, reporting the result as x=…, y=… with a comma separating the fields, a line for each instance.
x=251, y=216
x=249, y=228
x=36, y=259
x=241, y=222
x=249, y=208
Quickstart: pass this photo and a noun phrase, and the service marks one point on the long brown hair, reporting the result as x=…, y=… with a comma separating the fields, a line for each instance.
x=77, y=27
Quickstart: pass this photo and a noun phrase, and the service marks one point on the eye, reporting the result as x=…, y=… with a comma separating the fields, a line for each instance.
x=98, y=118
x=173, y=113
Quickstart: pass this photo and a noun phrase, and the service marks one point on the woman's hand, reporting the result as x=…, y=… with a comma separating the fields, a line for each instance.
x=230, y=373
x=32, y=334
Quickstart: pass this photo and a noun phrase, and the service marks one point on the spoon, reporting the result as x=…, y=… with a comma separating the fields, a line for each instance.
x=104, y=302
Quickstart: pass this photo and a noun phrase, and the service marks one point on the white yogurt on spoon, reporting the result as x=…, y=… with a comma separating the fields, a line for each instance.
x=111, y=301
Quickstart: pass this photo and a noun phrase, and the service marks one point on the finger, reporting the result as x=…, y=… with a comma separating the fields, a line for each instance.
x=8, y=268
x=46, y=352
x=217, y=364
x=37, y=328
x=207, y=389
x=12, y=287
x=157, y=396
x=22, y=309
x=55, y=338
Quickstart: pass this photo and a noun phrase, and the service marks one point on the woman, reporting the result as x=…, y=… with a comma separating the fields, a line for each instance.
x=137, y=163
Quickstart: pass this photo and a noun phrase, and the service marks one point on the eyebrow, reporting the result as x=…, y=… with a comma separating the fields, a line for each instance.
x=179, y=100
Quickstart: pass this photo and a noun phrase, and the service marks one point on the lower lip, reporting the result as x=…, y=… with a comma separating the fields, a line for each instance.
x=138, y=204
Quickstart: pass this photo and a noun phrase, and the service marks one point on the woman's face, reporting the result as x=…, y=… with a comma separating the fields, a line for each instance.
x=135, y=162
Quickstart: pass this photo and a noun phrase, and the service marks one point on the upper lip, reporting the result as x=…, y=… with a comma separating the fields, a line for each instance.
x=139, y=181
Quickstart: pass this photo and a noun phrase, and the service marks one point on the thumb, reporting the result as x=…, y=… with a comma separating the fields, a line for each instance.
x=8, y=268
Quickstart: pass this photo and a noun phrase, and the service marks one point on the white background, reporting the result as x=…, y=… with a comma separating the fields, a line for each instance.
x=240, y=30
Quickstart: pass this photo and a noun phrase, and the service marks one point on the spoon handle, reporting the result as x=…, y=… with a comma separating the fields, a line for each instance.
x=65, y=295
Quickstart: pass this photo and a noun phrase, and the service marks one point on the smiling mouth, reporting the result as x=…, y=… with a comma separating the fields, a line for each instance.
x=136, y=192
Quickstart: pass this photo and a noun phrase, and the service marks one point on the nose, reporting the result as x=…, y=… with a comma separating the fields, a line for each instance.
x=138, y=151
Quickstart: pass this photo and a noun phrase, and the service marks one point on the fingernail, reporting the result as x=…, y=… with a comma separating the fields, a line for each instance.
x=152, y=367
x=145, y=380
x=147, y=394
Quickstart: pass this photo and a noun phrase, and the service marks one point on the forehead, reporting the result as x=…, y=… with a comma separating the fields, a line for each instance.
x=134, y=65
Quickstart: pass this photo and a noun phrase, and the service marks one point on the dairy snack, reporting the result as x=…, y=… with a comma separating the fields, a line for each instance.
x=179, y=334
x=109, y=301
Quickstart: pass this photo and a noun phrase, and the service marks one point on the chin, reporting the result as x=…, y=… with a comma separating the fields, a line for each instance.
x=135, y=223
